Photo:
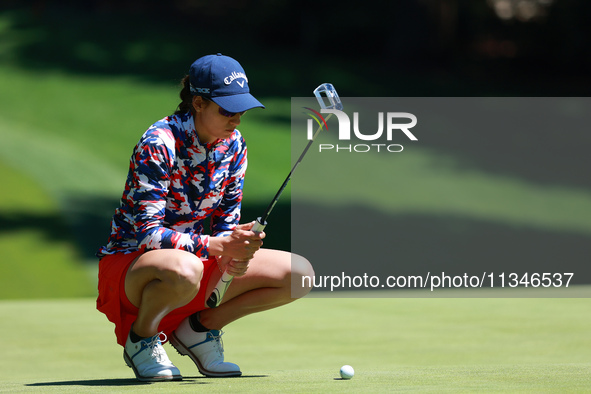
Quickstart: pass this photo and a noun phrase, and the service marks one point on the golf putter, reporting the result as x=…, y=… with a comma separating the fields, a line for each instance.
x=334, y=102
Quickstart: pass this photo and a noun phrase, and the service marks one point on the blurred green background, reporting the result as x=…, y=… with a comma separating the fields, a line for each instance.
x=81, y=82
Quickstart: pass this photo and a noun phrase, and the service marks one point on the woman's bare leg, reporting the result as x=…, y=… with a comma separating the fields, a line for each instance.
x=273, y=279
x=160, y=281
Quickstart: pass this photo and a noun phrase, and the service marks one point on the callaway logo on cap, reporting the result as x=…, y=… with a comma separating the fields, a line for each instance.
x=222, y=80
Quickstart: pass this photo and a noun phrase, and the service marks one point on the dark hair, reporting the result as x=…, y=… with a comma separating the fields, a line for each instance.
x=186, y=104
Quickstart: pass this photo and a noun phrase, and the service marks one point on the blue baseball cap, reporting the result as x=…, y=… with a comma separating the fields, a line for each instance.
x=222, y=80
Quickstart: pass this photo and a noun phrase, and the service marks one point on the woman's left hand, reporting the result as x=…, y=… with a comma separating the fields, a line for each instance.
x=233, y=267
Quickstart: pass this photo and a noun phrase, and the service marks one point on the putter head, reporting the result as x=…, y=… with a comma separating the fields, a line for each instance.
x=331, y=95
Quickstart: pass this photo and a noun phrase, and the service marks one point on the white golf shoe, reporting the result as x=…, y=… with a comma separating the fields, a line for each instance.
x=149, y=360
x=205, y=349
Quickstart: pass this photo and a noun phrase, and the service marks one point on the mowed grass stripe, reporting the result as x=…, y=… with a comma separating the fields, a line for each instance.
x=59, y=165
x=37, y=258
x=426, y=182
x=441, y=345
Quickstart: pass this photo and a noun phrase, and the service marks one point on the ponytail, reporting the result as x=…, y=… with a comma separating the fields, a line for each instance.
x=186, y=104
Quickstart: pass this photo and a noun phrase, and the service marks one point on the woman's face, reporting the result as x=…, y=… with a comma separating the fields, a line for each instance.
x=210, y=123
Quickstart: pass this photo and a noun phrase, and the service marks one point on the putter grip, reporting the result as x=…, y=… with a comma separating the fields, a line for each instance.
x=218, y=292
x=258, y=226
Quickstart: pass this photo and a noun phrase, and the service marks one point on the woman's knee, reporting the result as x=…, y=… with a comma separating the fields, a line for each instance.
x=302, y=276
x=179, y=271
x=184, y=271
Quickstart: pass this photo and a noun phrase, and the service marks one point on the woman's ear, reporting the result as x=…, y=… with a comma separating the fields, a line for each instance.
x=198, y=103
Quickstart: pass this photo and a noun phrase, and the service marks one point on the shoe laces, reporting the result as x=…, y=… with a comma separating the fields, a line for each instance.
x=217, y=337
x=156, y=349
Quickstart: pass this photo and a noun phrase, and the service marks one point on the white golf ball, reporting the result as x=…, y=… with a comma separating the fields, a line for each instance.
x=347, y=372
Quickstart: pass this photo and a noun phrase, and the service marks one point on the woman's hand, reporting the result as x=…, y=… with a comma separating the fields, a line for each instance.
x=240, y=246
x=231, y=266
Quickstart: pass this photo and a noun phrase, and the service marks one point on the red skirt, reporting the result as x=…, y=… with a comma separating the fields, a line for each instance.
x=113, y=302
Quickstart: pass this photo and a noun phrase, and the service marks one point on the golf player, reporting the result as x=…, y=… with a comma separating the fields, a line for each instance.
x=161, y=263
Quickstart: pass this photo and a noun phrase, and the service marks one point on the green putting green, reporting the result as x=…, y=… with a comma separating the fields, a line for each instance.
x=394, y=344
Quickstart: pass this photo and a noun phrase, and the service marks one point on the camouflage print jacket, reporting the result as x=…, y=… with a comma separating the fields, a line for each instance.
x=174, y=183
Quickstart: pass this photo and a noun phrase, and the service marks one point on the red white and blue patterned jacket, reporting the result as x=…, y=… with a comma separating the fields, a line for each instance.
x=174, y=183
